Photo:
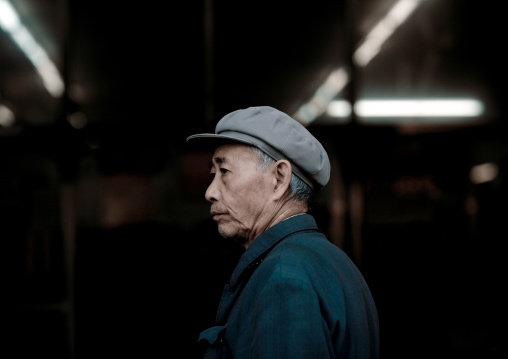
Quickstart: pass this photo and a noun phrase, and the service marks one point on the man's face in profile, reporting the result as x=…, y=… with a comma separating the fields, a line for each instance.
x=239, y=192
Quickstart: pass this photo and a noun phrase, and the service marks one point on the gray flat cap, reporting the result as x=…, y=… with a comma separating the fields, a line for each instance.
x=278, y=135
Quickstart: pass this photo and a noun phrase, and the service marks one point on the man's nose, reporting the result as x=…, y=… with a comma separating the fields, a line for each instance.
x=211, y=193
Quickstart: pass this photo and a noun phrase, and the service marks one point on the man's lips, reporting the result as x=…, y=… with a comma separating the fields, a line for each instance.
x=216, y=214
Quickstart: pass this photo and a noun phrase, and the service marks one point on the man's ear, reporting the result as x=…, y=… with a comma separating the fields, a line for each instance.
x=282, y=176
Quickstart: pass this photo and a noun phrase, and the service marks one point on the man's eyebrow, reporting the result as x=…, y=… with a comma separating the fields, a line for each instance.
x=218, y=160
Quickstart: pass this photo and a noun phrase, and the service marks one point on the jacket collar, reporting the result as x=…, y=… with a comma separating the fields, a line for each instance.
x=263, y=243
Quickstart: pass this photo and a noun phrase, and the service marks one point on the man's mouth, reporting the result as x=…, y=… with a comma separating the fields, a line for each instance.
x=215, y=214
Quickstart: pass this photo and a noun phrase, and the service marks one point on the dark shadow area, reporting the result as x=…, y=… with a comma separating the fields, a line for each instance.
x=147, y=289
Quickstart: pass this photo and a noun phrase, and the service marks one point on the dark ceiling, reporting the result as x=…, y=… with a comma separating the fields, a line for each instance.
x=153, y=73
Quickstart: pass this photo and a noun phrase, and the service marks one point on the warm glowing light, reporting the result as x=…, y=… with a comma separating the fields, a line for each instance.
x=78, y=120
x=484, y=172
x=7, y=117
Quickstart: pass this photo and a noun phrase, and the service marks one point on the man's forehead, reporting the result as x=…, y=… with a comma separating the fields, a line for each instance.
x=230, y=149
x=229, y=153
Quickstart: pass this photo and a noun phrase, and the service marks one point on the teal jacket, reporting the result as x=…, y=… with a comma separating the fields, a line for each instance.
x=294, y=295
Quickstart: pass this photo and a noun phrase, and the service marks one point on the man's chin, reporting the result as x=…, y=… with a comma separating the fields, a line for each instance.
x=225, y=233
x=232, y=236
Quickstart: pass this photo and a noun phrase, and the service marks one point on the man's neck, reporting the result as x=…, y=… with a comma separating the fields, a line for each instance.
x=289, y=209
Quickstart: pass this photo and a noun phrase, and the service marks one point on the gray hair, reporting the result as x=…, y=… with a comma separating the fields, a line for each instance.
x=299, y=190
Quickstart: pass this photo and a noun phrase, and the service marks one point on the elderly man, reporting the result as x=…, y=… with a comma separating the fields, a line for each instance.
x=293, y=293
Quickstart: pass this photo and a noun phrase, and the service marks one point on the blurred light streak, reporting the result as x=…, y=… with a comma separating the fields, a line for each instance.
x=375, y=39
x=47, y=70
x=484, y=172
x=7, y=117
x=407, y=108
x=419, y=108
x=366, y=51
x=318, y=104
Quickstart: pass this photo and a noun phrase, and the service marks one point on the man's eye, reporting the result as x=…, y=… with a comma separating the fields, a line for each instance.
x=223, y=170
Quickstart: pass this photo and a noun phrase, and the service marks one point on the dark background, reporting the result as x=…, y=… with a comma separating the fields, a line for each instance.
x=107, y=246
